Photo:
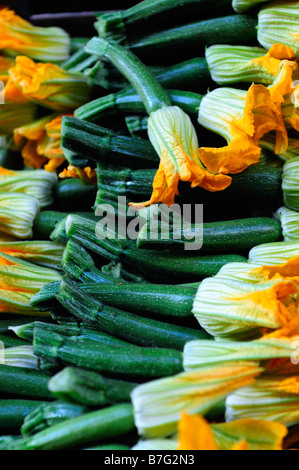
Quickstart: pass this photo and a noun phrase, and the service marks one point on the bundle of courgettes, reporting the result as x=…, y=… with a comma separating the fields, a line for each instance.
x=114, y=339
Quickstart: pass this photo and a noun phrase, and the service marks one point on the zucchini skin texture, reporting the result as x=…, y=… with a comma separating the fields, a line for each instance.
x=237, y=235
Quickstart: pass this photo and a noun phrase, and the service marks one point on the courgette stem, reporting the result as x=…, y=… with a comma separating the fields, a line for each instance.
x=89, y=388
x=147, y=86
x=48, y=414
x=85, y=142
x=128, y=363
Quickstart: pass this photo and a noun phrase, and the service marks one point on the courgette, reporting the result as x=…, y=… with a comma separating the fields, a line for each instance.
x=19, y=381
x=122, y=324
x=73, y=194
x=153, y=300
x=185, y=39
x=121, y=25
x=90, y=427
x=137, y=362
x=217, y=237
x=85, y=142
x=46, y=221
x=13, y=412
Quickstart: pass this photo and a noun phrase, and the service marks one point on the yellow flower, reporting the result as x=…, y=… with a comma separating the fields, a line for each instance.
x=17, y=213
x=195, y=433
x=242, y=119
x=44, y=253
x=18, y=36
x=5, y=64
x=278, y=24
x=268, y=254
x=272, y=398
x=37, y=183
x=15, y=110
x=158, y=404
x=234, y=64
x=248, y=301
x=40, y=143
x=49, y=85
x=87, y=175
x=290, y=178
x=174, y=138
x=19, y=281
x=271, y=353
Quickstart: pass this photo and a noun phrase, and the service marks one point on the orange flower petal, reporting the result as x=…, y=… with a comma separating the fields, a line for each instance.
x=195, y=433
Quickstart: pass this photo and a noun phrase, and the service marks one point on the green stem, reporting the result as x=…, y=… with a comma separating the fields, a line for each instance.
x=89, y=388
x=147, y=86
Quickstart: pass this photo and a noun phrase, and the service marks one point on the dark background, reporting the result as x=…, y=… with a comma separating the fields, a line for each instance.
x=47, y=13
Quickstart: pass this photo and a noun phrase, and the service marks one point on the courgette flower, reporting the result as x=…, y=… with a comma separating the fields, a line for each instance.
x=243, y=119
x=16, y=110
x=18, y=36
x=37, y=183
x=290, y=223
x=19, y=281
x=269, y=254
x=5, y=64
x=17, y=213
x=273, y=353
x=158, y=404
x=243, y=307
x=290, y=187
x=173, y=136
x=195, y=433
x=87, y=174
x=278, y=24
x=242, y=5
x=40, y=143
x=271, y=398
x=49, y=85
x=44, y=253
x=234, y=64
x=20, y=356
x=268, y=143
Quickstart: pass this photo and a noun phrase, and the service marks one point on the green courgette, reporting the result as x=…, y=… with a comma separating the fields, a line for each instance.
x=146, y=15
x=19, y=381
x=90, y=427
x=125, y=325
x=152, y=264
x=85, y=142
x=13, y=412
x=216, y=237
x=138, y=362
x=72, y=194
